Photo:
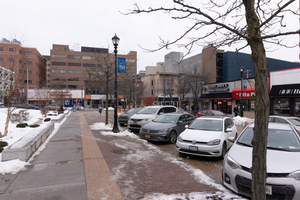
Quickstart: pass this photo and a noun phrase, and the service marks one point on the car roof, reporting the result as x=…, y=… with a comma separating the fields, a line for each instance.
x=213, y=117
x=285, y=117
x=175, y=113
x=273, y=125
x=158, y=106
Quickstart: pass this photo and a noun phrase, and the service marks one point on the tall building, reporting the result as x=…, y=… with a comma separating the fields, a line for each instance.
x=87, y=70
x=21, y=60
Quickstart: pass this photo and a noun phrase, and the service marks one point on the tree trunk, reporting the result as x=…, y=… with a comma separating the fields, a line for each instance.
x=262, y=104
x=9, y=111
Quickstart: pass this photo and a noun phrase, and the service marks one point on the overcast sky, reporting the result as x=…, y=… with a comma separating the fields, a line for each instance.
x=41, y=23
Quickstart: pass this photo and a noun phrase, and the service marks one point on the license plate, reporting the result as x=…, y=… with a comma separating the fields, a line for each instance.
x=268, y=189
x=147, y=136
x=193, y=148
x=134, y=122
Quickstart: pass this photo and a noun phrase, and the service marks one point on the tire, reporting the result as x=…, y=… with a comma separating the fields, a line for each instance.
x=172, y=137
x=223, y=151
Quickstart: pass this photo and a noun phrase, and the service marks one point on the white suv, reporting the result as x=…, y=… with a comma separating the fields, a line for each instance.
x=147, y=114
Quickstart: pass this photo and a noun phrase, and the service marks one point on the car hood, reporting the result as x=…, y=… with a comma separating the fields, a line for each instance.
x=125, y=115
x=277, y=161
x=143, y=116
x=158, y=126
x=199, y=135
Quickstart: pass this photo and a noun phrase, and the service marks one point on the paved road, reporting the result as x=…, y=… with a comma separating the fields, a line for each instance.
x=211, y=166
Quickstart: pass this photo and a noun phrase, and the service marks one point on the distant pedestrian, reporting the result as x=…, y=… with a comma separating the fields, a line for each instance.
x=236, y=110
x=197, y=108
x=184, y=107
x=192, y=108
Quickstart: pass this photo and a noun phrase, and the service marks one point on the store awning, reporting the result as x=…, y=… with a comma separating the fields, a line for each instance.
x=217, y=96
x=248, y=93
x=291, y=90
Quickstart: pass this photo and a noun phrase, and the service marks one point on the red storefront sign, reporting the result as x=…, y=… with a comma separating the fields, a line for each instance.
x=248, y=93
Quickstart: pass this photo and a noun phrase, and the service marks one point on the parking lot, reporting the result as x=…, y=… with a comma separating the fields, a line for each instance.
x=210, y=166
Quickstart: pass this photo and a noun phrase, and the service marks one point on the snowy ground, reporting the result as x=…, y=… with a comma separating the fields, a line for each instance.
x=14, y=166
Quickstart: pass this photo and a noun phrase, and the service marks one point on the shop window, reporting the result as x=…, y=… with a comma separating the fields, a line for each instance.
x=297, y=106
x=282, y=106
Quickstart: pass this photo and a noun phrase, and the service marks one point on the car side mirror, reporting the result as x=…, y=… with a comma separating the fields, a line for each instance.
x=229, y=129
x=231, y=139
x=186, y=126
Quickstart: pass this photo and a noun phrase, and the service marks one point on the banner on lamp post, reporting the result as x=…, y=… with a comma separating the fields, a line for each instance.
x=122, y=67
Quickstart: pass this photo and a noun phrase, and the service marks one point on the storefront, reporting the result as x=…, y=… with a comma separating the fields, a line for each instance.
x=217, y=97
x=285, y=100
x=248, y=98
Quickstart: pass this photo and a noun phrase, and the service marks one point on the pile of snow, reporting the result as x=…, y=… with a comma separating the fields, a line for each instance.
x=242, y=121
x=15, y=134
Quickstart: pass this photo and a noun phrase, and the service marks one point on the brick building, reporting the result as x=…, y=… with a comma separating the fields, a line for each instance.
x=17, y=58
x=86, y=70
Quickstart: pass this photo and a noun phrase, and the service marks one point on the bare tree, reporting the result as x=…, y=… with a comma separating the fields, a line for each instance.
x=182, y=87
x=222, y=23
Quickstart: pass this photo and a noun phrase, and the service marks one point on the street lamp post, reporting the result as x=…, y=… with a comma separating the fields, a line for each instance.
x=242, y=86
x=133, y=98
x=26, y=82
x=115, y=41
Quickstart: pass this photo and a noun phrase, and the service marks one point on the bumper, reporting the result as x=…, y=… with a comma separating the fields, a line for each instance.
x=202, y=150
x=155, y=137
x=239, y=181
x=136, y=126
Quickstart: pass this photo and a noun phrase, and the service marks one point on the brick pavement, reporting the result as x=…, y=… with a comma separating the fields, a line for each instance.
x=141, y=169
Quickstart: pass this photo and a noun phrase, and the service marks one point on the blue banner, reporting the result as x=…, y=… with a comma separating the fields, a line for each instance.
x=121, y=65
x=245, y=83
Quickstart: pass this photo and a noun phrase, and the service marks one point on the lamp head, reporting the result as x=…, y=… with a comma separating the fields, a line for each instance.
x=115, y=40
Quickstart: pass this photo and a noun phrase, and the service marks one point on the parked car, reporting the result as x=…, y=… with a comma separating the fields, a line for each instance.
x=166, y=127
x=26, y=106
x=294, y=121
x=147, y=114
x=207, y=136
x=123, y=118
x=211, y=113
x=53, y=107
x=283, y=165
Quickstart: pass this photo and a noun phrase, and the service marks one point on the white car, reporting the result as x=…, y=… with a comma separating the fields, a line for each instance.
x=207, y=136
x=147, y=114
x=294, y=121
x=283, y=163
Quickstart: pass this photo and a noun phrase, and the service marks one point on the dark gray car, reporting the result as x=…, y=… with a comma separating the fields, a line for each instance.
x=166, y=127
x=123, y=118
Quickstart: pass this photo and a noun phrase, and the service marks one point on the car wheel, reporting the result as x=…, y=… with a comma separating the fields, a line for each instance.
x=223, y=151
x=172, y=137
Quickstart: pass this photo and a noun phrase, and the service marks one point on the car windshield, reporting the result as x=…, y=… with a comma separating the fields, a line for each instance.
x=216, y=112
x=134, y=110
x=295, y=121
x=150, y=111
x=284, y=140
x=166, y=119
x=207, y=124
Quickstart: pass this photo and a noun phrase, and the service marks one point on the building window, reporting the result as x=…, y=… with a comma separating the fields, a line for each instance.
x=88, y=65
x=297, y=106
x=28, y=53
x=59, y=63
x=29, y=81
x=11, y=60
x=11, y=50
x=29, y=72
x=28, y=63
x=73, y=79
x=1, y=59
x=74, y=57
x=1, y=48
x=74, y=72
x=152, y=92
x=282, y=106
x=74, y=64
x=59, y=56
x=58, y=79
x=88, y=58
x=152, y=83
x=58, y=71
